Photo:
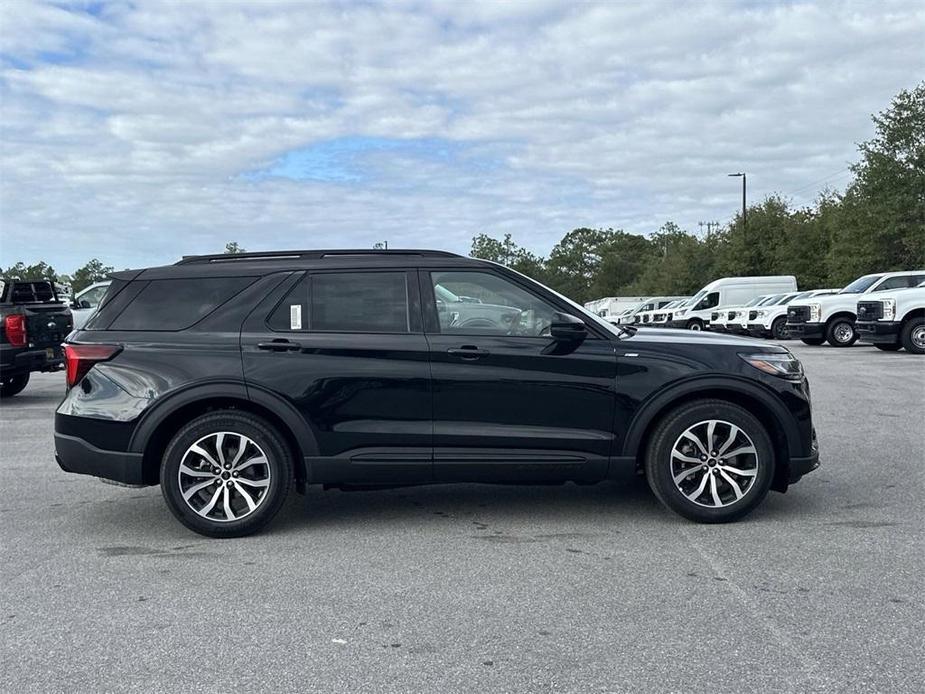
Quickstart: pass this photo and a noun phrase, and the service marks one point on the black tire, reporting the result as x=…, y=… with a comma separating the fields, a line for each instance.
x=779, y=330
x=695, y=324
x=815, y=341
x=912, y=336
x=837, y=330
x=13, y=385
x=278, y=469
x=894, y=347
x=669, y=431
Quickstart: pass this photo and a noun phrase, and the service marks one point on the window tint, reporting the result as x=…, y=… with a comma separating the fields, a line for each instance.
x=32, y=292
x=177, y=304
x=481, y=303
x=374, y=302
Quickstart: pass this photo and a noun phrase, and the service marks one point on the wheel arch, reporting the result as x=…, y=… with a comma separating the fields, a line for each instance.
x=840, y=314
x=912, y=313
x=158, y=424
x=756, y=400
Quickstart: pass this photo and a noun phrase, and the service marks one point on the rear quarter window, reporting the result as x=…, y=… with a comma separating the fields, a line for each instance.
x=177, y=304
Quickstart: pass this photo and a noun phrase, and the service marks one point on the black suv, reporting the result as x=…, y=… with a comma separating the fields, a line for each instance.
x=229, y=379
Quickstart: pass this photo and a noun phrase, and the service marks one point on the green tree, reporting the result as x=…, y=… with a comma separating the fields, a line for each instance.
x=575, y=261
x=93, y=271
x=232, y=248
x=508, y=253
x=881, y=218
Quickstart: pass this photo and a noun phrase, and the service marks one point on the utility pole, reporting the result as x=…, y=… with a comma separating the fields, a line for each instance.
x=743, y=177
x=709, y=225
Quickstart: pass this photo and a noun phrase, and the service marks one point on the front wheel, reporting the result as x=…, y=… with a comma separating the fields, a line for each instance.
x=841, y=333
x=779, y=330
x=13, y=385
x=695, y=324
x=710, y=461
x=226, y=474
x=913, y=336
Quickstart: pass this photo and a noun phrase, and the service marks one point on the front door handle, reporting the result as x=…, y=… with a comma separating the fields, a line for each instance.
x=468, y=352
x=280, y=346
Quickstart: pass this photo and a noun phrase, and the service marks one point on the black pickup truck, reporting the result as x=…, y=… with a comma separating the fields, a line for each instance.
x=33, y=324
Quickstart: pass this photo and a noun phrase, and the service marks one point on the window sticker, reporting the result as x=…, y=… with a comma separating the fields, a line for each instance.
x=295, y=316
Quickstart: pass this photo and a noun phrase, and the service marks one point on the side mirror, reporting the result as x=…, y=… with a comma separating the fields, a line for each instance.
x=567, y=327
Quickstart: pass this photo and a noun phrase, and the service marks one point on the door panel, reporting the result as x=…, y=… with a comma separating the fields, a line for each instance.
x=513, y=407
x=364, y=396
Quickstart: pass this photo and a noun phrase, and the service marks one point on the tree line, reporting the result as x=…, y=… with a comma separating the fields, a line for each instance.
x=876, y=224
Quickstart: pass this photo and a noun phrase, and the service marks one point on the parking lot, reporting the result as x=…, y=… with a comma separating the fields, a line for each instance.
x=476, y=588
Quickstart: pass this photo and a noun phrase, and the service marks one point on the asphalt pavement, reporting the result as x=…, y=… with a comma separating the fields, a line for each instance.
x=475, y=588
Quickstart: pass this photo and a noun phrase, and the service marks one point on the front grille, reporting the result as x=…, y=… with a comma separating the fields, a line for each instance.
x=870, y=310
x=730, y=315
x=798, y=314
x=714, y=316
x=752, y=315
x=658, y=317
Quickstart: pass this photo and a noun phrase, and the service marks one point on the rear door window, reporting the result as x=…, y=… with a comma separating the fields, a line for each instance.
x=363, y=302
x=177, y=304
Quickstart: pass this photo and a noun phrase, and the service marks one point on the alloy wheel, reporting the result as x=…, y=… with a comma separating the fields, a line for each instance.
x=224, y=476
x=714, y=463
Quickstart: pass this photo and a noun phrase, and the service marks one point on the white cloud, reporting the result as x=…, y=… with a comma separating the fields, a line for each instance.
x=126, y=127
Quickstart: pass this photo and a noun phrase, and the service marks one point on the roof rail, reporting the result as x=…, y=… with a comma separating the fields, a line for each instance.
x=309, y=255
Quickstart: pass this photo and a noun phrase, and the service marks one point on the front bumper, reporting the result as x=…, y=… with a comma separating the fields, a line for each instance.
x=800, y=331
x=758, y=330
x=682, y=323
x=73, y=454
x=802, y=466
x=878, y=332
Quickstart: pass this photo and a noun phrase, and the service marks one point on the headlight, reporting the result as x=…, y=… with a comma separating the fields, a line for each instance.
x=681, y=312
x=889, y=309
x=815, y=313
x=761, y=314
x=782, y=364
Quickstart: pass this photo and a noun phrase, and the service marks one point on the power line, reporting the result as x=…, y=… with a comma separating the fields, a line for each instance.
x=821, y=180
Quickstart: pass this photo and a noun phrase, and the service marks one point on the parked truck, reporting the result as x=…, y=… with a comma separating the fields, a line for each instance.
x=894, y=320
x=33, y=324
x=728, y=291
x=831, y=318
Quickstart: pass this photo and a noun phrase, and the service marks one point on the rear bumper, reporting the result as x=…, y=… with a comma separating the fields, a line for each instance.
x=73, y=454
x=806, y=330
x=878, y=332
x=27, y=361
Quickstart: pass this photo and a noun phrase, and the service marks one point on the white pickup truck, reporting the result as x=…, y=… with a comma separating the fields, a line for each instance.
x=86, y=302
x=894, y=320
x=771, y=320
x=831, y=318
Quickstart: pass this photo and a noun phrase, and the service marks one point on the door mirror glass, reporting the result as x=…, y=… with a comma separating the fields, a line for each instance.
x=567, y=327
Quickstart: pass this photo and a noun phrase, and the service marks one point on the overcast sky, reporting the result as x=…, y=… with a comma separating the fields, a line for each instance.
x=139, y=132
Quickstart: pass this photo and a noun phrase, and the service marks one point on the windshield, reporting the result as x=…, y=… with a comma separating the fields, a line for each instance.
x=696, y=298
x=444, y=294
x=861, y=284
x=785, y=298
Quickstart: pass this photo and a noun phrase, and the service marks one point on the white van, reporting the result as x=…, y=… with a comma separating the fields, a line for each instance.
x=728, y=291
x=643, y=313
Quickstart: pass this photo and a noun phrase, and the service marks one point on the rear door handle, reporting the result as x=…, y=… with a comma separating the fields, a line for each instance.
x=280, y=346
x=467, y=352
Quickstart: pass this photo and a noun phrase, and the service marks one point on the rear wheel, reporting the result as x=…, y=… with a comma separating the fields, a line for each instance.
x=812, y=340
x=226, y=474
x=710, y=461
x=889, y=347
x=913, y=335
x=13, y=385
x=779, y=329
x=840, y=332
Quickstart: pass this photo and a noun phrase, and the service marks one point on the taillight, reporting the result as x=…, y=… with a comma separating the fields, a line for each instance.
x=15, y=328
x=81, y=358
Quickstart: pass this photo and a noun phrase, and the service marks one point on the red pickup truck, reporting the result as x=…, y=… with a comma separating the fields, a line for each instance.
x=33, y=324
